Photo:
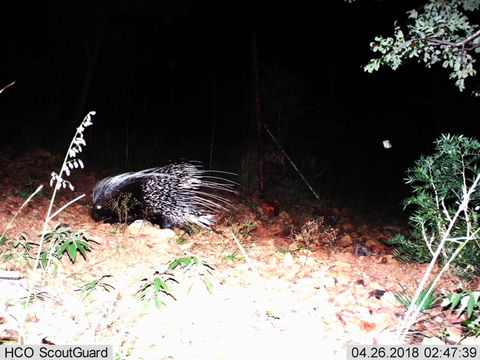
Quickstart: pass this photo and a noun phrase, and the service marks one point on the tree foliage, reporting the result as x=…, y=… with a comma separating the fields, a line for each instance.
x=440, y=32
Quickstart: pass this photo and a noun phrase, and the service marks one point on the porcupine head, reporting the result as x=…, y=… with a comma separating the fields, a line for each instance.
x=116, y=199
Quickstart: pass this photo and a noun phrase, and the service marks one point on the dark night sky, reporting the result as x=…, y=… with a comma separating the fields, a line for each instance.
x=343, y=116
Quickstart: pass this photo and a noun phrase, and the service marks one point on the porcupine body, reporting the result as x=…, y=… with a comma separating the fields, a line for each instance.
x=173, y=195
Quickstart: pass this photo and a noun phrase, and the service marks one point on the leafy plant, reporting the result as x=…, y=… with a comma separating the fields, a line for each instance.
x=122, y=205
x=408, y=249
x=233, y=257
x=180, y=239
x=67, y=241
x=467, y=303
x=284, y=251
x=154, y=287
x=8, y=248
x=245, y=229
x=427, y=299
x=87, y=290
x=440, y=184
x=314, y=232
x=16, y=249
x=70, y=162
x=200, y=269
x=444, y=194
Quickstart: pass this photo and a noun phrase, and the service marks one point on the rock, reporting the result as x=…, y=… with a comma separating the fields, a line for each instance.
x=343, y=278
x=376, y=246
x=270, y=209
x=361, y=250
x=378, y=293
x=288, y=260
x=388, y=299
x=142, y=227
x=371, y=243
x=345, y=241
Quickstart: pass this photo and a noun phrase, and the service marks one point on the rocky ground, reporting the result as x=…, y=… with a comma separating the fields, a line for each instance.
x=289, y=288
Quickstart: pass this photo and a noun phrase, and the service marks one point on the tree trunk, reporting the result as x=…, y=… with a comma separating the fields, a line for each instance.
x=258, y=114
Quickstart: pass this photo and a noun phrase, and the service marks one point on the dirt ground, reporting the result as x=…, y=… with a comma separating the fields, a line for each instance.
x=304, y=291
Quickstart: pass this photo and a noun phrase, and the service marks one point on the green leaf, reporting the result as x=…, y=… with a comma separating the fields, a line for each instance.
x=159, y=284
x=159, y=304
x=72, y=252
x=471, y=304
x=455, y=300
x=208, y=285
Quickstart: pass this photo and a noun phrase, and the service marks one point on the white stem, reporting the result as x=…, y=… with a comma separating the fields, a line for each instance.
x=21, y=207
x=413, y=310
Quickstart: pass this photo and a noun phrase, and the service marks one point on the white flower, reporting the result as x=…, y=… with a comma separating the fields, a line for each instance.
x=88, y=119
x=81, y=163
x=80, y=141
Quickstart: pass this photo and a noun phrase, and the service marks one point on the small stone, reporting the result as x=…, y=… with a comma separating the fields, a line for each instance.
x=345, y=241
x=388, y=299
x=343, y=278
x=142, y=227
x=288, y=259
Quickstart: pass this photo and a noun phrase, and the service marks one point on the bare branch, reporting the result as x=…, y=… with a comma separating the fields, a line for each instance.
x=459, y=44
x=7, y=86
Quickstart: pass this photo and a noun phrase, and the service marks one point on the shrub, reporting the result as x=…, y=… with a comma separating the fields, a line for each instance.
x=441, y=184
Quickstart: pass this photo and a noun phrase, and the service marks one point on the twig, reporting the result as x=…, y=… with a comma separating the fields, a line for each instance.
x=13, y=82
x=244, y=253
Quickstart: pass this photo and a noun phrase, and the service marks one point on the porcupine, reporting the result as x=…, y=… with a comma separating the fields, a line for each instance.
x=177, y=194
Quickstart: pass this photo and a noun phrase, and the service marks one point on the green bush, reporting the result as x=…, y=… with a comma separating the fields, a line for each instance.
x=444, y=196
